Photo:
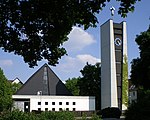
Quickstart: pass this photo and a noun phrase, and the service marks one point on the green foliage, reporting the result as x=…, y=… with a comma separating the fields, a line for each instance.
x=15, y=87
x=71, y=84
x=63, y=115
x=140, y=69
x=125, y=82
x=90, y=83
x=19, y=115
x=39, y=31
x=140, y=110
x=5, y=92
x=95, y=117
x=111, y=112
x=140, y=76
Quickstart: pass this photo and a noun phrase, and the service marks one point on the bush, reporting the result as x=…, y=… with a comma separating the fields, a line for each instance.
x=63, y=115
x=111, y=112
x=19, y=115
x=95, y=117
x=139, y=110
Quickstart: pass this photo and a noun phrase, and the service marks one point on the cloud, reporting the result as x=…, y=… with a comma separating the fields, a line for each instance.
x=78, y=39
x=88, y=58
x=6, y=62
x=70, y=66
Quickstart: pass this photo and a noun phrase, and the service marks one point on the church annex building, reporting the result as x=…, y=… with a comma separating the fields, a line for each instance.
x=44, y=91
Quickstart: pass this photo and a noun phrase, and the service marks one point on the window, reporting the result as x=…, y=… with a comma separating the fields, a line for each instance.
x=39, y=109
x=53, y=109
x=74, y=103
x=133, y=93
x=67, y=103
x=46, y=103
x=53, y=103
x=46, y=109
x=74, y=109
x=60, y=103
x=67, y=109
x=60, y=109
x=39, y=103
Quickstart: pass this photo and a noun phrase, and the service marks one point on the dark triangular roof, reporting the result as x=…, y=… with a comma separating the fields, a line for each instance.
x=45, y=82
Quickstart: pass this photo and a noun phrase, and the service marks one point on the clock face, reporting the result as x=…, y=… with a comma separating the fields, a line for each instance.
x=118, y=42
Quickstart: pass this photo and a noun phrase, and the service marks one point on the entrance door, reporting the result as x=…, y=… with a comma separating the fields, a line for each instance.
x=26, y=106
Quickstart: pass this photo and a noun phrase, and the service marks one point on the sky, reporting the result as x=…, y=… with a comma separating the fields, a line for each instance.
x=83, y=46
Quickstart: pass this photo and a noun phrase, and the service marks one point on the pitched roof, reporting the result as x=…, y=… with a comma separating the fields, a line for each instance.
x=45, y=82
x=16, y=80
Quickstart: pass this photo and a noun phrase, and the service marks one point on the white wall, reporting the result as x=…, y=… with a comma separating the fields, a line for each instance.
x=82, y=103
x=132, y=96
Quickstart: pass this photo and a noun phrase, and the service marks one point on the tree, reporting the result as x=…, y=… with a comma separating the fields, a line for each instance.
x=140, y=69
x=5, y=92
x=90, y=83
x=139, y=110
x=125, y=82
x=36, y=29
x=71, y=84
x=15, y=87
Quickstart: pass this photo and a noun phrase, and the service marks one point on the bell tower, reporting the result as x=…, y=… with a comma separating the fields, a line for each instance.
x=113, y=50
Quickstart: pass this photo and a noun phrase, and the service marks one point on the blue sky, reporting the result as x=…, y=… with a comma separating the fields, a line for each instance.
x=83, y=46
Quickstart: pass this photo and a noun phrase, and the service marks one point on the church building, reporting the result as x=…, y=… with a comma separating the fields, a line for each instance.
x=44, y=91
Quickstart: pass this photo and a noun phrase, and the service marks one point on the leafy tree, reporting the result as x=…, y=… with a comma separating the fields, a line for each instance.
x=140, y=76
x=15, y=87
x=36, y=29
x=90, y=83
x=125, y=82
x=71, y=84
x=140, y=110
x=5, y=92
x=140, y=69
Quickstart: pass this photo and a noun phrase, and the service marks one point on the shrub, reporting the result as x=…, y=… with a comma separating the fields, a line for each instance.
x=111, y=112
x=95, y=117
x=139, y=110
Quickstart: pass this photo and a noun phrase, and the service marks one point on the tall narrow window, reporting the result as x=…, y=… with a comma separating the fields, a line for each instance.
x=45, y=81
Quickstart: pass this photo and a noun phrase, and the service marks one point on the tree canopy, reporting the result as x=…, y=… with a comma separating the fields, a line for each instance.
x=71, y=84
x=90, y=82
x=5, y=92
x=36, y=29
x=140, y=69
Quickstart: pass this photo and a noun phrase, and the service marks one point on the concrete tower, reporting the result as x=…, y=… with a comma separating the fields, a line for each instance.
x=113, y=49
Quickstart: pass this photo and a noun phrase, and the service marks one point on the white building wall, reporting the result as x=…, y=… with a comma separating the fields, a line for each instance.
x=16, y=81
x=19, y=105
x=132, y=96
x=125, y=39
x=82, y=103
